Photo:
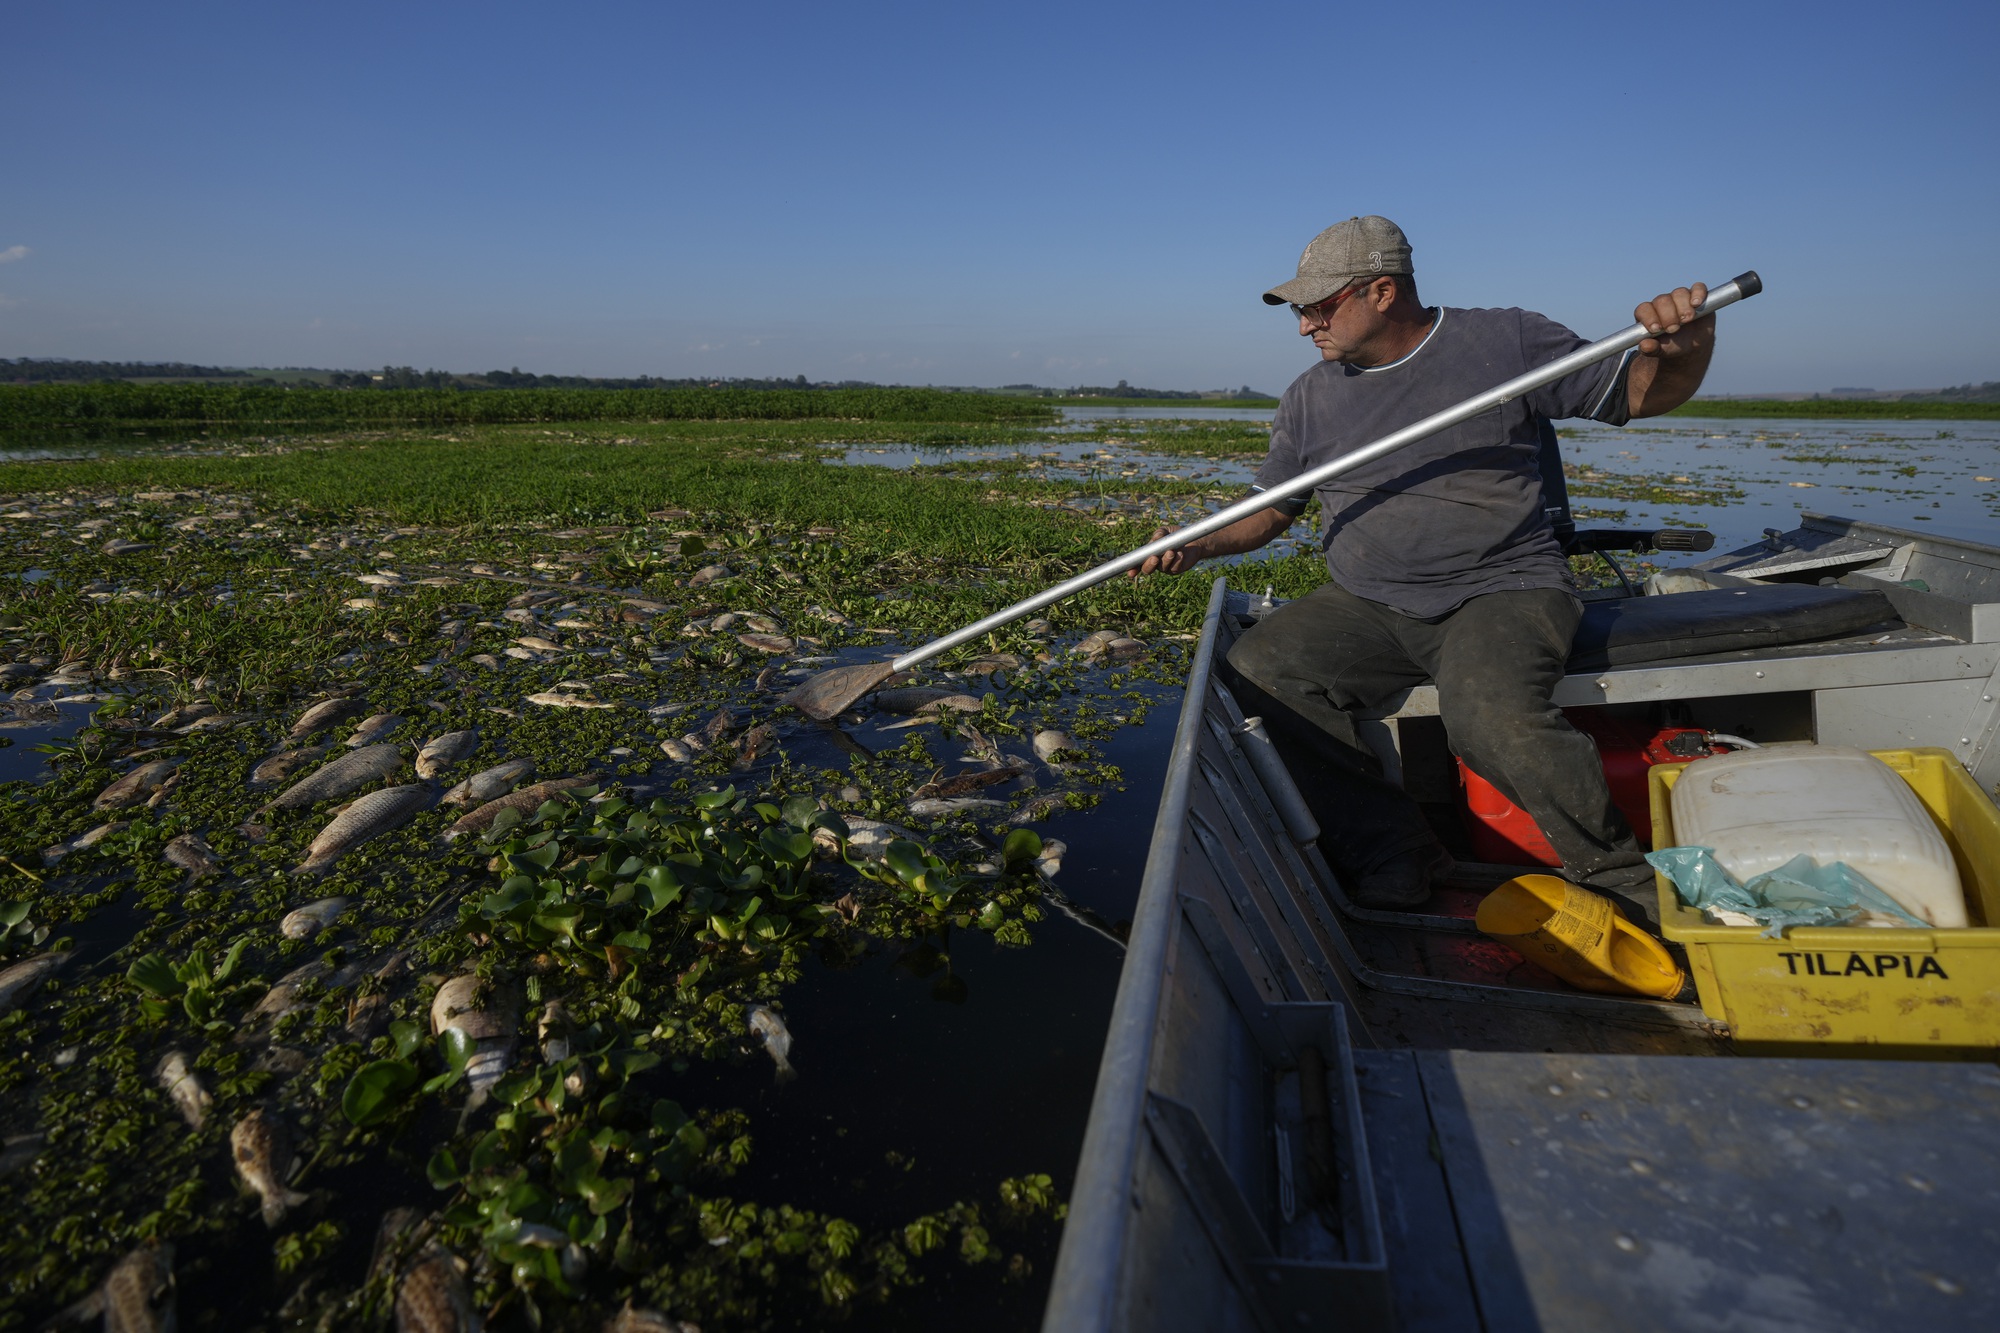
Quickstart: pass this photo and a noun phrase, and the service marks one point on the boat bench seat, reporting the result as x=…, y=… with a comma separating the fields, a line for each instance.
x=1636, y=630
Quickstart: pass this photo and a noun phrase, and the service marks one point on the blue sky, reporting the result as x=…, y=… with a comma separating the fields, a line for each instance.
x=925, y=193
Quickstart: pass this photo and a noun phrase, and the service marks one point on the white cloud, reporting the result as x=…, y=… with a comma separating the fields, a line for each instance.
x=12, y=253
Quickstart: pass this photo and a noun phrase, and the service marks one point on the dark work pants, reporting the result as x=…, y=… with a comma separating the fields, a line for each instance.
x=1495, y=659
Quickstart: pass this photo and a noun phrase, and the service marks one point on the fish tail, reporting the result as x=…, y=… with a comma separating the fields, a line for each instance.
x=785, y=1071
x=277, y=1201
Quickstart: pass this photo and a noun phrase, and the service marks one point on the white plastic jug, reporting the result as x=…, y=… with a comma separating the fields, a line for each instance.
x=1760, y=808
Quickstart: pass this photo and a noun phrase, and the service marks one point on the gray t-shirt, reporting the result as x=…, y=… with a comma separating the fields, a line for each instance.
x=1460, y=513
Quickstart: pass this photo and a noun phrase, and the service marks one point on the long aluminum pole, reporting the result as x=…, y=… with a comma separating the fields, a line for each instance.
x=1729, y=293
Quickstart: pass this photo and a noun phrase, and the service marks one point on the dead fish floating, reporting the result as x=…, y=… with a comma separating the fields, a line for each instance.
x=433, y=1297
x=19, y=981
x=630, y=1320
x=280, y=767
x=483, y=787
x=962, y=783
x=768, y=1026
x=440, y=753
x=489, y=1014
x=136, y=786
x=562, y=699
x=526, y=800
x=137, y=1295
x=1050, y=743
x=767, y=643
x=84, y=841
x=263, y=1156
x=350, y=772
x=193, y=855
x=326, y=713
x=371, y=815
x=937, y=809
x=311, y=919
x=373, y=729
x=183, y=1088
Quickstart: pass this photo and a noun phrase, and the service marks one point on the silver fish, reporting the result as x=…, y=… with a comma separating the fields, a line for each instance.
x=433, y=1297
x=554, y=1028
x=394, y=1235
x=135, y=786
x=84, y=841
x=527, y=801
x=312, y=918
x=183, y=1088
x=183, y=715
x=193, y=855
x=282, y=765
x=629, y=1320
x=490, y=1019
x=909, y=699
x=938, y=807
x=263, y=1156
x=325, y=714
x=442, y=752
x=373, y=729
x=137, y=1295
x=18, y=981
x=350, y=772
x=376, y=813
x=483, y=787
x=1048, y=743
x=18, y=1150
x=769, y=1027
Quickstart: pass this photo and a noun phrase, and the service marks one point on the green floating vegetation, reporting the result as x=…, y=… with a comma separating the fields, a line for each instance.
x=521, y=1040
x=42, y=405
x=1857, y=409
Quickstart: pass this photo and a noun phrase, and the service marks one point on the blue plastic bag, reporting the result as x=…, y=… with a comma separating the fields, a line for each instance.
x=1800, y=892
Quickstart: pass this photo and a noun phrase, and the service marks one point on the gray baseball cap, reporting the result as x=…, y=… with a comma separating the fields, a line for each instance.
x=1344, y=253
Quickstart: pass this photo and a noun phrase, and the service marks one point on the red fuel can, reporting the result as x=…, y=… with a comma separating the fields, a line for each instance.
x=1504, y=834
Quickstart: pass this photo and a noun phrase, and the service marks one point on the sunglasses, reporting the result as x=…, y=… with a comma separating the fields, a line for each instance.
x=1321, y=311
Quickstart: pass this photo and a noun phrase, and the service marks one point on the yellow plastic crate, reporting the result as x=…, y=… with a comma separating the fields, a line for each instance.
x=1913, y=988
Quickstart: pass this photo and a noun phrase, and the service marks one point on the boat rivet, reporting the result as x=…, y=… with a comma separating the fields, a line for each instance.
x=1603, y=684
x=1965, y=740
x=1625, y=1242
x=1760, y=675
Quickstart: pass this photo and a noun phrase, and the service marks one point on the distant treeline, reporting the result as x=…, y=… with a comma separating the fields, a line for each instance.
x=1872, y=409
x=46, y=405
x=29, y=371
x=1124, y=390
x=407, y=377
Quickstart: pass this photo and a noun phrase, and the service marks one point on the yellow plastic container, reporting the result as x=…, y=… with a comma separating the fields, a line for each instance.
x=1860, y=984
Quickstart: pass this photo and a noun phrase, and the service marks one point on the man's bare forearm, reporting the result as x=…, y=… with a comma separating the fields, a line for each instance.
x=1245, y=534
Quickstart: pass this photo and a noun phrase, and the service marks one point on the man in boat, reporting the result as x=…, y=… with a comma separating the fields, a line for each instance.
x=1444, y=566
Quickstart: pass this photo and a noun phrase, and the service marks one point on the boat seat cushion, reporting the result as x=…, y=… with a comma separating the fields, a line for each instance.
x=1689, y=624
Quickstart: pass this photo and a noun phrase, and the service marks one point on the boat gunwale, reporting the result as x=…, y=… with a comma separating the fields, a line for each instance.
x=1084, y=1288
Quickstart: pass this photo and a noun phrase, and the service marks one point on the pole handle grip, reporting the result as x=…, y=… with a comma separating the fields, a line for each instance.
x=1745, y=285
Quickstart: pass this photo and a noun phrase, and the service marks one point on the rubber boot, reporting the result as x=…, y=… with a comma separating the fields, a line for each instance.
x=1580, y=936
